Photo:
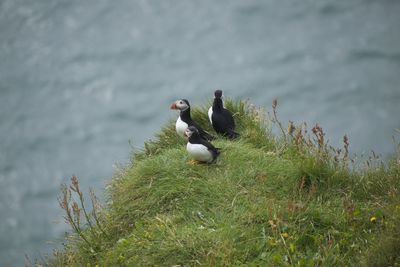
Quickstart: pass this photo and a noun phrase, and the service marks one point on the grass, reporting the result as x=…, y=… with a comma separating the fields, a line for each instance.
x=287, y=200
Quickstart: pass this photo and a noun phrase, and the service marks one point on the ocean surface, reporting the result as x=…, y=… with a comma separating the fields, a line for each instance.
x=82, y=83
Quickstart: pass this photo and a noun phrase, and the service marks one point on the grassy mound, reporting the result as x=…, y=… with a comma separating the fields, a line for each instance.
x=289, y=200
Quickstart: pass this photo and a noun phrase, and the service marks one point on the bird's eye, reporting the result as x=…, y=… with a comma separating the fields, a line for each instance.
x=180, y=102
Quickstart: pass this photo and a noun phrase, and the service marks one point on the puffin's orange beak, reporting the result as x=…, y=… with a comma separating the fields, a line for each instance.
x=173, y=106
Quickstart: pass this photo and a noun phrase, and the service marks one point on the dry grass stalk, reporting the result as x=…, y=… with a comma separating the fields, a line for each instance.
x=87, y=230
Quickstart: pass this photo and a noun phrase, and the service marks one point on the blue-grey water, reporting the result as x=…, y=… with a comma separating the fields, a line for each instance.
x=80, y=79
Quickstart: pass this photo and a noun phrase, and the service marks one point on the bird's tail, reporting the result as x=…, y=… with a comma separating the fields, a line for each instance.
x=216, y=153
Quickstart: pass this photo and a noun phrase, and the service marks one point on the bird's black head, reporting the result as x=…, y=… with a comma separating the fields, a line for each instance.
x=181, y=104
x=186, y=101
x=218, y=93
x=191, y=130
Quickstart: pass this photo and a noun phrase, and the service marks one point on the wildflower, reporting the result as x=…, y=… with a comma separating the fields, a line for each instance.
x=285, y=235
x=272, y=224
x=373, y=219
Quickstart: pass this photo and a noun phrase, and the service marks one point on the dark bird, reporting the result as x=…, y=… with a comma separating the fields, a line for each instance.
x=221, y=118
x=198, y=148
x=185, y=120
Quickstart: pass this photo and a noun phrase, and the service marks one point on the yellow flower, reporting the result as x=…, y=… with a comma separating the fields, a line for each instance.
x=285, y=235
x=372, y=219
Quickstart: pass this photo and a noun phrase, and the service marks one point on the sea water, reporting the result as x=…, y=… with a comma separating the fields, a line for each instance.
x=83, y=83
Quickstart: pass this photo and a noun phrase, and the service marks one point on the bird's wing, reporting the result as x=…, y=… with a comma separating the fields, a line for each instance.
x=229, y=117
x=223, y=121
x=209, y=146
x=203, y=133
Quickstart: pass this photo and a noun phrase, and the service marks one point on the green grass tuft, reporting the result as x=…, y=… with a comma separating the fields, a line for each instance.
x=289, y=200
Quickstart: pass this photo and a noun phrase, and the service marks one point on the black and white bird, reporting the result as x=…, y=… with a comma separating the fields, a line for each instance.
x=198, y=148
x=221, y=118
x=185, y=120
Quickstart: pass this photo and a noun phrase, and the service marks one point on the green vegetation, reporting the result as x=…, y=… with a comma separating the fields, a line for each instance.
x=288, y=200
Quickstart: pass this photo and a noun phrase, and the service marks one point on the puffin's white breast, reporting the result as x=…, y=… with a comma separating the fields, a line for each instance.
x=181, y=127
x=210, y=114
x=199, y=152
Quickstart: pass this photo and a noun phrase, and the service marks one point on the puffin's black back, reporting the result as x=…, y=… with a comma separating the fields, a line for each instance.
x=222, y=119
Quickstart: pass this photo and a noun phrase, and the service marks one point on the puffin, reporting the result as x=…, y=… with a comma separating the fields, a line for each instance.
x=198, y=148
x=221, y=118
x=185, y=120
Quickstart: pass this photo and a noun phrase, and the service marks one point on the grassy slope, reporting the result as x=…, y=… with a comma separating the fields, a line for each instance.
x=266, y=201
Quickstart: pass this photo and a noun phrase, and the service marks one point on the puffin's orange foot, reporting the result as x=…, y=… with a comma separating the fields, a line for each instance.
x=193, y=162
